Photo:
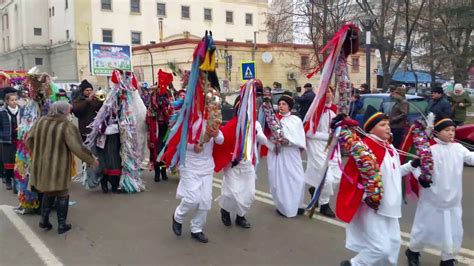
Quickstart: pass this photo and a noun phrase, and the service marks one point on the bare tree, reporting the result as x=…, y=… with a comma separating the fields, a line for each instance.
x=447, y=30
x=280, y=22
x=393, y=29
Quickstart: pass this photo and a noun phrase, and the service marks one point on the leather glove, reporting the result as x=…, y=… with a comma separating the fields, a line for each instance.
x=415, y=163
x=336, y=120
x=424, y=182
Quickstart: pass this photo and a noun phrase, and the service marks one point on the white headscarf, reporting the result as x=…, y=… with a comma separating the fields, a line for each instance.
x=458, y=89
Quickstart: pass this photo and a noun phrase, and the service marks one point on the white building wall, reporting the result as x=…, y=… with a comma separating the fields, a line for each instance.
x=122, y=22
x=62, y=21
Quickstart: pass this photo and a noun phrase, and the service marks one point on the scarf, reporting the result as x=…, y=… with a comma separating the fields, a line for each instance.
x=13, y=112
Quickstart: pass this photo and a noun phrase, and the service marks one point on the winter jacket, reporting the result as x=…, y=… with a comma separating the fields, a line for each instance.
x=440, y=107
x=399, y=114
x=459, y=112
x=305, y=102
x=53, y=141
x=355, y=107
x=5, y=125
x=85, y=110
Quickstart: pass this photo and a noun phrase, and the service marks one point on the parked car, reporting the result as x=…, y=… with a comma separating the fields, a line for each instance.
x=465, y=134
x=383, y=103
x=423, y=92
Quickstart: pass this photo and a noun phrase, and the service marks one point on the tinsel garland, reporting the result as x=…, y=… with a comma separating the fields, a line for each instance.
x=366, y=163
x=342, y=78
x=423, y=151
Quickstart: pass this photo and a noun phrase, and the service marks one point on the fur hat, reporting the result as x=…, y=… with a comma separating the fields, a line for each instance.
x=8, y=90
x=437, y=89
x=288, y=99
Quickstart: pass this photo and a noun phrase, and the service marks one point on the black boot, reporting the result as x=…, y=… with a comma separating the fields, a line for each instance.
x=225, y=217
x=46, y=204
x=346, y=263
x=103, y=183
x=201, y=237
x=413, y=257
x=448, y=262
x=326, y=211
x=63, y=207
x=157, y=172
x=176, y=227
x=242, y=222
x=8, y=180
x=115, y=182
x=163, y=172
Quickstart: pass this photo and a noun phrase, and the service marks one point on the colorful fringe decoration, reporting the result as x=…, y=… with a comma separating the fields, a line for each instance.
x=245, y=129
x=423, y=151
x=344, y=42
x=366, y=163
x=271, y=121
x=193, y=109
x=119, y=100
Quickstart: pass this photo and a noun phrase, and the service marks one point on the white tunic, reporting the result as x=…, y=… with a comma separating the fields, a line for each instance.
x=285, y=168
x=317, y=154
x=238, y=184
x=195, y=184
x=376, y=235
x=139, y=111
x=438, y=218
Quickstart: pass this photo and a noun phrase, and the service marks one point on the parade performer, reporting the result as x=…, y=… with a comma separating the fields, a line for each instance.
x=238, y=156
x=42, y=95
x=53, y=140
x=285, y=167
x=370, y=194
x=9, y=119
x=157, y=119
x=317, y=150
x=118, y=133
x=190, y=145
x=438, y=217
x=85, y=107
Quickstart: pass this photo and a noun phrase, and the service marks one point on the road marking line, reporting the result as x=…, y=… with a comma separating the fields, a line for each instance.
x=33, y=240
x=431, y=251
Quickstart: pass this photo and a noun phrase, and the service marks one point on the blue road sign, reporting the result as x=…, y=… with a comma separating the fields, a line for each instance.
x=248, y=70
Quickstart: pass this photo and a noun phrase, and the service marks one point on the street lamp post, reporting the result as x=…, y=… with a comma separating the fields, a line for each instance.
x=367, y=23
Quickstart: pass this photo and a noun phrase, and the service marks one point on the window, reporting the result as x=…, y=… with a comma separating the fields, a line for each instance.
x=248, y=41
x=249, y=19
x=67, y=34
x=229, y=17
x=107, y=36
x=37, y=31
x=185, y=12
x=66, y=4
x=207, y=14
x=161, y=9
x=229, y=40
x=135, y=6
x=38, y=61
x=355, y=64
x=136, y=37
x=52, y=11
x=304, y=62
x=106, y=4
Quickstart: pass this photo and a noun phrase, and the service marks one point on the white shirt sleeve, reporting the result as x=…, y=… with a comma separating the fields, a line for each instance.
x=219, y=139
x=468, y=156
x=261, y=138
x=406, y=168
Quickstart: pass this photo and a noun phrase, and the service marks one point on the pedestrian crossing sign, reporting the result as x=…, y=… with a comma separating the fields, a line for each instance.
x=248, y=70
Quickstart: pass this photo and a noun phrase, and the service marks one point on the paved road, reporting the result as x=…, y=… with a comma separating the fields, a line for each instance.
x=136, y=230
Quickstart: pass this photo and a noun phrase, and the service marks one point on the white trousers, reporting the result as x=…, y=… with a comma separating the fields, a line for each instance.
x=199, y=219
x=376, y=238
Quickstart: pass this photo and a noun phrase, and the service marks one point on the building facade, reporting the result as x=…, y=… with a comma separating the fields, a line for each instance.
x=285, y=63
x=55, y=34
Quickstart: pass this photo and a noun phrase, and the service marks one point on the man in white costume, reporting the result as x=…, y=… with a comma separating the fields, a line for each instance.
x=374, y=231
x=238, y=183
x=285, y=167
x=195, y=184
x=438, y=218
x=317, y=154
